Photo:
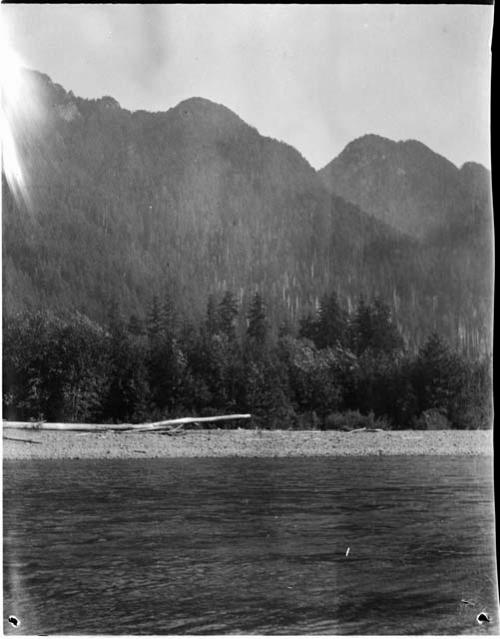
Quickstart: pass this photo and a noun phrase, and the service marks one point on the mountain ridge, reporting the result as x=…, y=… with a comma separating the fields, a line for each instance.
x=404, y=183
x=212, y=103
x=193, y=201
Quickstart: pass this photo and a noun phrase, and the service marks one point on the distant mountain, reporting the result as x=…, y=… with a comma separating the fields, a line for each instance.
x=404, y=184
x=194, y=201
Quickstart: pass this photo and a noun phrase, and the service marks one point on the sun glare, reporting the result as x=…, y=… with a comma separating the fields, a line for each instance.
x=16, y=110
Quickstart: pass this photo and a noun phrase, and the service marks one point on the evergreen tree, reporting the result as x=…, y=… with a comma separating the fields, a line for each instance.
x=135, y=326
x=472, y=408
x=266, y=390
x=285, y=329
x=308, y=328
x=437, y=376
x=155, y=319
x=212, y=316
x=228, y=312
x=313, y=379
x=372, y=328
x=332, y=322
x=169, y=318
x=166, y=366
x=361, y=327
x=127, y=388
x=385, y=335
x=257, y=321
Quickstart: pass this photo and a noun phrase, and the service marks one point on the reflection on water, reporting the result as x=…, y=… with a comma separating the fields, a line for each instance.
x=233, y=546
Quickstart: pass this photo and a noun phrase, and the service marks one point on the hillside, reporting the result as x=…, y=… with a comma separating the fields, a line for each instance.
x=447, y=210
x=404, y=184
x=194, y=201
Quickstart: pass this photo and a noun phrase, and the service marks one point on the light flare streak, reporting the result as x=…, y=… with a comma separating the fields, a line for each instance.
x=18, y=113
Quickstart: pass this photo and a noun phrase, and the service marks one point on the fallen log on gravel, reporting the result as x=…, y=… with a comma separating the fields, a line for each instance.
x=20, y=439
x=168, y=425
x=366, y=430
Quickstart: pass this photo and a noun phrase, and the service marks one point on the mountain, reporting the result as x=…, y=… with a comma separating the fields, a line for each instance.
x=404, y=184
x=448, y=210
x=122, y=205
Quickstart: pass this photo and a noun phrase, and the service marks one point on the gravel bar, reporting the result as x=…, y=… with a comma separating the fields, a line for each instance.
x=242, y=443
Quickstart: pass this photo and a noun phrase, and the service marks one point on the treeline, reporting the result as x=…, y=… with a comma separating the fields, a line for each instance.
x=337, y=370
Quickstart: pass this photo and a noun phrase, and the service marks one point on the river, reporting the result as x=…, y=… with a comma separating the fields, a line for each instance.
x=372, y=545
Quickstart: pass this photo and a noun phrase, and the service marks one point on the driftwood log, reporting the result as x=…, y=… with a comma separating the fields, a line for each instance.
x=19, y=439
x=366, y=430
x=168, y=425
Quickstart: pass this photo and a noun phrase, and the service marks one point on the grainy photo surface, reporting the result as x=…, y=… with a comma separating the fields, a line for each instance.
x=247, y=320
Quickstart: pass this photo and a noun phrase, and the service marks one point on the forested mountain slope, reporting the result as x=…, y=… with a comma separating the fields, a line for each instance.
x=122, y=206
x=449, y=211
x=404, y=184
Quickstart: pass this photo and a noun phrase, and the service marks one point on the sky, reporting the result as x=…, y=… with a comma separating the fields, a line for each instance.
x=314, y=76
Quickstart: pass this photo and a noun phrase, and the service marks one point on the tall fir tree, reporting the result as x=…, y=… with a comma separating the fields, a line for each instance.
x=155, y=319
x=437, y=375
x=385, y=336
x=308, y=328
x=135, y=326
x=331, y=323
x=228, y=312
x=211, y=316
x=372, y=329
x=258, y=326
x=361, y=327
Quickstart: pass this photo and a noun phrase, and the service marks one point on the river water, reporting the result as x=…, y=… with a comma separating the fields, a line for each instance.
x=373, y=545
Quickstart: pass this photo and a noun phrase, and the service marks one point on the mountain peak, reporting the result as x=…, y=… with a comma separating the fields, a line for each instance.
x=204, y=111
x=370, y=139
x=199, y=103
x=52, y=95
x=474, y=168
x=404, y=184
x=369, y=142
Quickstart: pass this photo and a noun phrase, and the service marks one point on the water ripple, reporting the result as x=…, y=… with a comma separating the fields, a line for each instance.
x=252, y=546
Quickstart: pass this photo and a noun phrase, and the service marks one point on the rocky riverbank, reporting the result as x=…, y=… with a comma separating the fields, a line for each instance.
x=242, y=443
